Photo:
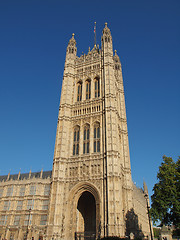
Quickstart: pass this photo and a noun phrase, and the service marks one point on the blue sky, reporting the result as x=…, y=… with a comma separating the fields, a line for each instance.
x=33, y=39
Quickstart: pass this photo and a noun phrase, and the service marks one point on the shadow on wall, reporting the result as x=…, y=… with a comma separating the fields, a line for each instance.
x=132, y=225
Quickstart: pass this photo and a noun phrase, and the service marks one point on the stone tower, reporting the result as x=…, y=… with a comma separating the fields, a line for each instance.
x=91, y=179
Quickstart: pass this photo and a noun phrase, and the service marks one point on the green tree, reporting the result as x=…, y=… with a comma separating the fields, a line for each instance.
x=166, y=198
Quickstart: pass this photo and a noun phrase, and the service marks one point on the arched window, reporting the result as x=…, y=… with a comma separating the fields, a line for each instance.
x=96, y=138
x=117, y=67
x=86, y=139
x=88, y=89
x=79, y=91
x=76, y=141
x=96, y=88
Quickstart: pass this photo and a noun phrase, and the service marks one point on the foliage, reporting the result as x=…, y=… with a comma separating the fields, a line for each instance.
x=176, y=233
x=166, y=197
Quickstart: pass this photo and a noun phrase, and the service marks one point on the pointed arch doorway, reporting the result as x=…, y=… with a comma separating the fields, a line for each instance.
x=86, y=217
x=84, y=211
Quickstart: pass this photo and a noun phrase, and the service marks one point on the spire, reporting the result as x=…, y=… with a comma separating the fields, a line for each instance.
x=41, y=173
x=145, y=188
x=19, y=174
x=106, y=40
x=72, y=41
x=106, y=30
x=30, y=174
x=72, y=49
x=116, y=57
x=8, y=176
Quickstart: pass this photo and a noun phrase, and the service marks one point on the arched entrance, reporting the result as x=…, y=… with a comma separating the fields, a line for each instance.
x=86, y=217
x=84, y=211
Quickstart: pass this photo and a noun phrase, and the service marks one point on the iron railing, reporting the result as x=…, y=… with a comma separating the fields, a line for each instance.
x=85, y=236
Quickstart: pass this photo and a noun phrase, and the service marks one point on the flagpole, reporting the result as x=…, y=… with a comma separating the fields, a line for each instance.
x=95, y=34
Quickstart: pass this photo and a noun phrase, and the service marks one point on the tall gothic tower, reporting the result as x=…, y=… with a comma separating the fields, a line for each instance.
x=91, y=188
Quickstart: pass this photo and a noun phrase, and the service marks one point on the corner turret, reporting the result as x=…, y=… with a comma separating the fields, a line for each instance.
x=106, y=39
x=117, y=62
x=145, y=188
x=71, y=48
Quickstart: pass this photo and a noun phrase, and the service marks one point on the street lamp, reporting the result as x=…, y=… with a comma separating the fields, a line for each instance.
x=28, y=223
x=124, y=223
x=149, y=217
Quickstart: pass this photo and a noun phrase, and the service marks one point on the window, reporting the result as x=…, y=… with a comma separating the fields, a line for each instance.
x=17, y=220
x=32, y=190
x=19, y=205
x=3, y=220
x=117, y=67
x=30, y=204
x=88, y=89
x=6, y=205
x=86, y=140
x=96, y=138
x=9, y=191
x=45, y=204
x=47, y=190
x=107, y=39
x=27, y=219
x=22, y=191
x=96, y=88
x=43, y=220
x=76, y=141
x=79, y=92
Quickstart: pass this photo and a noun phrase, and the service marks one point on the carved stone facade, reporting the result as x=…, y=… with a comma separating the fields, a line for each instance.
x=24, y=204
x=92, y=192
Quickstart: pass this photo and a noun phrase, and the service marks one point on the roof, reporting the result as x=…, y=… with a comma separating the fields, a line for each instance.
x=22, y=176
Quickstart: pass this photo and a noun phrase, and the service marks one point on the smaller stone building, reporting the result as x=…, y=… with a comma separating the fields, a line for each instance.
x=24, y=207
x=137, y=221
x=24, y=201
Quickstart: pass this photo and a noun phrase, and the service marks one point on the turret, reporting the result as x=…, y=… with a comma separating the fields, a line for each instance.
x=106, y=40
x=145, y=188
x=117, y=61
x=69, y=72
x=71, y=48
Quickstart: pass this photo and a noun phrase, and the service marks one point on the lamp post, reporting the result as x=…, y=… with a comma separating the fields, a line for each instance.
x=124, y=224
x=149, y=217
x=28, y=223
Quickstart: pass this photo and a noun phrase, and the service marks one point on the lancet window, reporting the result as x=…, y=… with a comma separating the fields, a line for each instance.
x=76, y=141
x=96, y=88
x=86, y=139
x=88, y=89
x=117, y=67
x=107, y=39
x=17, y=220
x=97, y=137
x=79, y=92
